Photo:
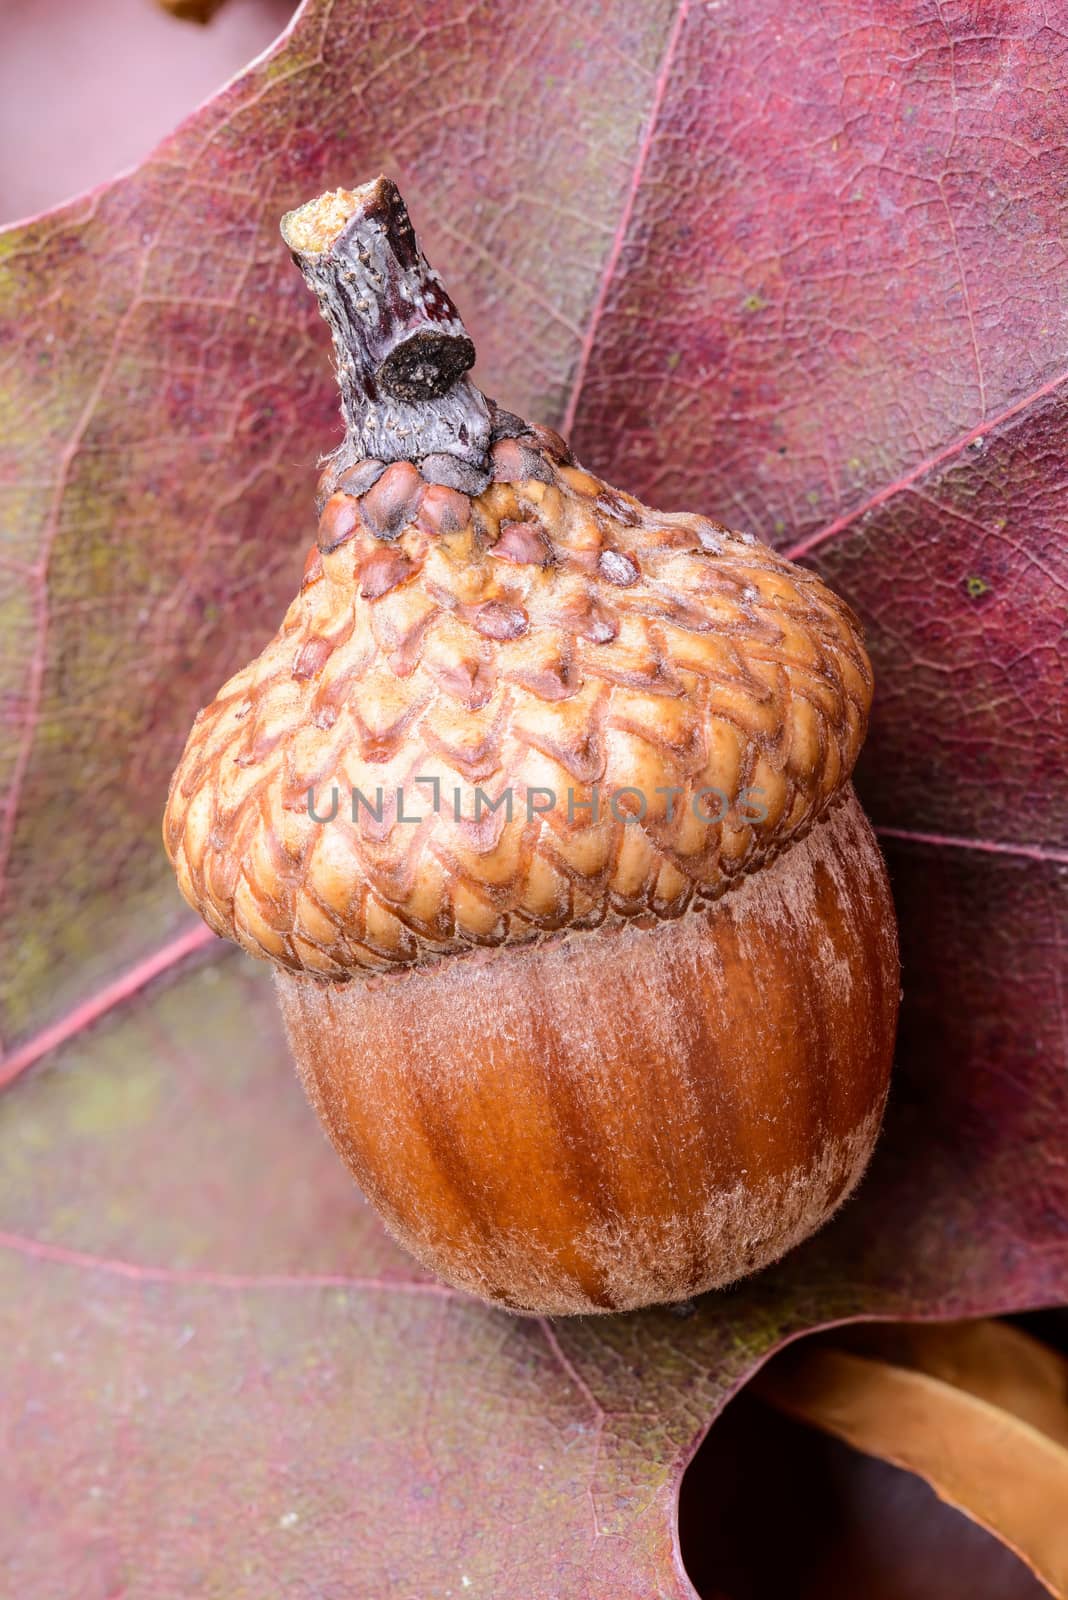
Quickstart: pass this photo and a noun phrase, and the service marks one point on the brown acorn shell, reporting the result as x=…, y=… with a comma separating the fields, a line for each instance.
x=629, y=1115
x=549, y=635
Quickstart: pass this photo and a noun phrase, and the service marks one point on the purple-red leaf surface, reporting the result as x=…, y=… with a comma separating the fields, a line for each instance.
x=805, y=270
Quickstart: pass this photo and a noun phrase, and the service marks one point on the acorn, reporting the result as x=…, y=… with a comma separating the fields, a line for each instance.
x=539, y=803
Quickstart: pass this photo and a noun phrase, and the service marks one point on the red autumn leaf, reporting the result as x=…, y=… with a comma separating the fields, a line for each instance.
x=801, y=271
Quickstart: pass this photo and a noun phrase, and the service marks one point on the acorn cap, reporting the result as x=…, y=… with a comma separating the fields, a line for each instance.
x=499, y=715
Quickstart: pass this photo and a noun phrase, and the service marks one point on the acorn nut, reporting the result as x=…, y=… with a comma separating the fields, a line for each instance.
x=539, y=802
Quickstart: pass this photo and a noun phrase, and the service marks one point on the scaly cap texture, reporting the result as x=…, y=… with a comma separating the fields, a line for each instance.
x=509, y=699
x=550, y=635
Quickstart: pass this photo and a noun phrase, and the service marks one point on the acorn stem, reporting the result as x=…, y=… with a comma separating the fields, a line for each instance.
x=402, y=349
